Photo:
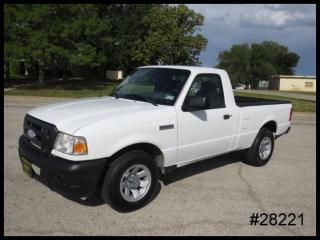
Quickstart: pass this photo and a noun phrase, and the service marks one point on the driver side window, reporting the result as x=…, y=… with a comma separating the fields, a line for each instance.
x=210, y=87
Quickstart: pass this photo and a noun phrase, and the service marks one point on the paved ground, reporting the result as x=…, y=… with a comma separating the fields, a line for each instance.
x=213, y=197
x=285, y=94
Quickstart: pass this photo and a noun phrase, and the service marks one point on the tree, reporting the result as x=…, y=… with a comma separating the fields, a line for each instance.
x=249, y=64
x=28, y=34
x=126, y=27
x=237, y=63
x=170, y=37
x=143, y=34
x=118, y=36
x=85, y=34
x=55, y=34
x=10, y=37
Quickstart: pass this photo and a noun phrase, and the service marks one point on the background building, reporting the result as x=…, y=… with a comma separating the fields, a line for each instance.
x=263, y=84
x=293, y=83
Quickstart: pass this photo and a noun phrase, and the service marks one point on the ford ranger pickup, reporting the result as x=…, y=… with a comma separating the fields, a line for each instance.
x=157, y=119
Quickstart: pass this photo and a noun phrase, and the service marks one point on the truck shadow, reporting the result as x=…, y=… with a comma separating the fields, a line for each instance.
x=174, y=176
x=96, y=200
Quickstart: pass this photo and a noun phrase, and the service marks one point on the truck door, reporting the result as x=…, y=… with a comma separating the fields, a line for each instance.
x=206, y=132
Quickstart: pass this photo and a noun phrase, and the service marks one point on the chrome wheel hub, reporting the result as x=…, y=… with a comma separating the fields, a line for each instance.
x=265, y=148
x=135, y=182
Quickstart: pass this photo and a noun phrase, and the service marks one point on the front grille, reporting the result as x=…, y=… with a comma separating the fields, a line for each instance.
x=44, y=134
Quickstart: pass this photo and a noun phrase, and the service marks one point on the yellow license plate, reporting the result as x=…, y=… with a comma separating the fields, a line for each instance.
x=26, y=166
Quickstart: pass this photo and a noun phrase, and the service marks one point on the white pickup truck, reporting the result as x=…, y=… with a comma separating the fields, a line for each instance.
x=159, y=118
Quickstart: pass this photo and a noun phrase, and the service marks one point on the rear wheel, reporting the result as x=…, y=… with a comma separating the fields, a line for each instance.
x=130, y=181
x=262, y=148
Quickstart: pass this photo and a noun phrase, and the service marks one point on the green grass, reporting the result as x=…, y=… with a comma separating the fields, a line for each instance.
x=298, y=105
x=60, y=93
x=72, y=88
x=300, y=92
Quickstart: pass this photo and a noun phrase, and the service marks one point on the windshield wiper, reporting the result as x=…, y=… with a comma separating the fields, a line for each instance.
x=143, y=98
x=115, y=94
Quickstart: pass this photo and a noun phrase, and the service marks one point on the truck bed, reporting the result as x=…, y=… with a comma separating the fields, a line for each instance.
x=251, y=101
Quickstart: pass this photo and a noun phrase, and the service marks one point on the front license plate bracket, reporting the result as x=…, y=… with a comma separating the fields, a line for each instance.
x=26, y=166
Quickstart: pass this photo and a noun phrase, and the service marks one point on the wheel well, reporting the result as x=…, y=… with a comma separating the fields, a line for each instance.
x=153, y=150
x=271, y=125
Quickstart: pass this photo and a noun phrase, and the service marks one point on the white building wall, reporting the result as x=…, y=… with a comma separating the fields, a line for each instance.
x=298, y=84
x=114, y=74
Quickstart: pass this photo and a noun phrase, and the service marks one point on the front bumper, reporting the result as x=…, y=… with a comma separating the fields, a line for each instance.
x=61, y=175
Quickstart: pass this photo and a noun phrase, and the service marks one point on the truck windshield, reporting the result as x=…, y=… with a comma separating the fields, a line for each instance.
x=154, y=85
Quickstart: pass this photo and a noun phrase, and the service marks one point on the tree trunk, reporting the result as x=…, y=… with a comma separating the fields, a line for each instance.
x=104, y=70
x=7, y=70
x=41, y=73
x=64, y=75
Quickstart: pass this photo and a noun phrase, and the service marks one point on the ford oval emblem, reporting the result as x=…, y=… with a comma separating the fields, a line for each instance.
x=31, y=133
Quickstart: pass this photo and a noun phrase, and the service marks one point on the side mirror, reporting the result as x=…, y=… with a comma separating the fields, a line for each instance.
x=194, y=104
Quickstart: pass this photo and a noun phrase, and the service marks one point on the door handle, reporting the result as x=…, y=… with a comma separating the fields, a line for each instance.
x=227, y=116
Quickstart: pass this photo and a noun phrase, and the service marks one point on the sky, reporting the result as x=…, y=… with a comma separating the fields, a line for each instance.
x=292, y=25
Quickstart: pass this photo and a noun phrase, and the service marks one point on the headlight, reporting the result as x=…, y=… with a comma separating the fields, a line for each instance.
x=71, y=144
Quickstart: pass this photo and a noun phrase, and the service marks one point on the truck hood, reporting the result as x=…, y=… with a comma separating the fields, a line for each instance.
x=72, y=115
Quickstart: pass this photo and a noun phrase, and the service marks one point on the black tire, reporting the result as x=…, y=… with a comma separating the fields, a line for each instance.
x=253, y=156
x=111, y=193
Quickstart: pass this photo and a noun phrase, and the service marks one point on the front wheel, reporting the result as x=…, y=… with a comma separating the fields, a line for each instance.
x=130, y=181
x=262, y=148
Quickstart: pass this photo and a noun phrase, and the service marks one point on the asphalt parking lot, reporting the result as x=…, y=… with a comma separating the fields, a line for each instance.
x=213, y=197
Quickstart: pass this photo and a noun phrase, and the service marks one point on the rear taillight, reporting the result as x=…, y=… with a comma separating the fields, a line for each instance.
x=290, y=115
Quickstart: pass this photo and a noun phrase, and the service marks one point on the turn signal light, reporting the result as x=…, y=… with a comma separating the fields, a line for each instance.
x=80, y=147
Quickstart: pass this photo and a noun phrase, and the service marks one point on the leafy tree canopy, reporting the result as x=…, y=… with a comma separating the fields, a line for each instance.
x=116, y=36
x=170, y=36
x=248, y=64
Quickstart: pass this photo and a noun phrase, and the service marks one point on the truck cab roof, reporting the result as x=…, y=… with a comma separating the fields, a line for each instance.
x=191, y=68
